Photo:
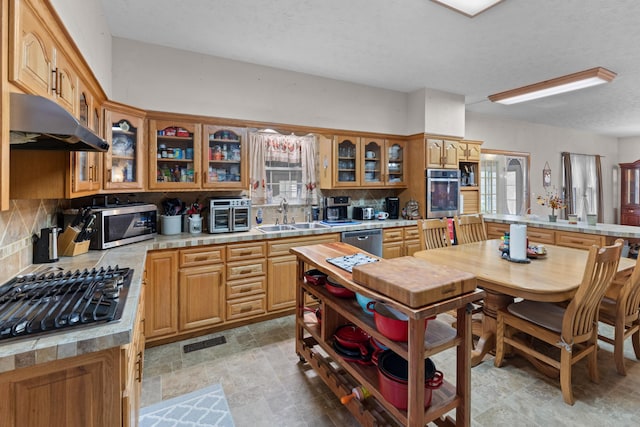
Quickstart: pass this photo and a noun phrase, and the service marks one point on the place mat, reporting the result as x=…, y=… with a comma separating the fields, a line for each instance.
x=518, y=261
x=347, y=262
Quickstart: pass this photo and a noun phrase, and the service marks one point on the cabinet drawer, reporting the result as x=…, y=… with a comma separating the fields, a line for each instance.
x=244, y=251
x=246, y=307
x=201, y=256
x=411, y=233
x=578, y=240
x=281, y=247
x=243, y=269
x=246, y=287
x=541, y=235
x=392, y=235
x=496, y=230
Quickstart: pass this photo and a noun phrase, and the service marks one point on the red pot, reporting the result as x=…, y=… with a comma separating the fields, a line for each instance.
x=390, y=322
x=315, y=277
x=393, y=379
x=338, y=290
x=352, y=337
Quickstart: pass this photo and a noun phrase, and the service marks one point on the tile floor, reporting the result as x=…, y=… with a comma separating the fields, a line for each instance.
x=266, y=386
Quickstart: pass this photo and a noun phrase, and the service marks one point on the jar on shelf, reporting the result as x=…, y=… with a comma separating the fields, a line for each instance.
x=217, y=153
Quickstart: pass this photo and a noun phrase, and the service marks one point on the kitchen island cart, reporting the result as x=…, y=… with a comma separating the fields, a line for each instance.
x=314, y=339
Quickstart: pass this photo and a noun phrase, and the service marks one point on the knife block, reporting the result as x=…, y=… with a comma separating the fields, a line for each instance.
x=67, y=246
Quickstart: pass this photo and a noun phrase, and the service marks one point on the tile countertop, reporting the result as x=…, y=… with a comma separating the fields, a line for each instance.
x=613, y=230
x=25, y=351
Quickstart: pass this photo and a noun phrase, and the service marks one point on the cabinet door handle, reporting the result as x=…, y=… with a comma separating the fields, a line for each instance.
x=54, y=81
x=109, y=174
x=90, y=174
x=59, y=88
x=195, y=177
x=139, y=367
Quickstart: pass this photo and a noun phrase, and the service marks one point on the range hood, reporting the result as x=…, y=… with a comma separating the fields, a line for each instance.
x=38, y=123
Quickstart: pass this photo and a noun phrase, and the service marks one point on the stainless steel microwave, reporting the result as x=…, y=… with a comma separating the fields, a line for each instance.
x=124, y=224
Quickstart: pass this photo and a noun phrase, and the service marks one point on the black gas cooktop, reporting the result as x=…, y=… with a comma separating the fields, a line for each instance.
x=39, y=303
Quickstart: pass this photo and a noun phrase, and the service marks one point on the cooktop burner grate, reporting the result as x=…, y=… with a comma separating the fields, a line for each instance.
x=38, y=303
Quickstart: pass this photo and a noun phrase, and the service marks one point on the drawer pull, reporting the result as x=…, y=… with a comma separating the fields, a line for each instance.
x=245, y=308
x=245, y=289
x=244, y=253
x=245, y=271
x=201, y=258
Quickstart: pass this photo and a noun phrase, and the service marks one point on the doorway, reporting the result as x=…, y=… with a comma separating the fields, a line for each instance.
x=504, y=182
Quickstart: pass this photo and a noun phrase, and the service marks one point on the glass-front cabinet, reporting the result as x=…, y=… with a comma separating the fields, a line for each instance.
x=175, y=155
x=630, y=193
x=363, y=162
x=124, y=161
x=224, y=158
x=346, y=160
x=395, y=157
x=86, y=177
x=372, y=162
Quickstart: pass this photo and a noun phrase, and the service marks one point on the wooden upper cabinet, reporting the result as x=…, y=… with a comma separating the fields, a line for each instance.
x=85, y=173
x=355, y=162
x=174, y=155
x=37, y=63
x=441, y=153
x=630, y=193
x=469, y=151
x=225, y=155
x=124, y=161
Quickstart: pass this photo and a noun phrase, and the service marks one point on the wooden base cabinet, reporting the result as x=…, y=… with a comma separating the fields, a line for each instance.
x=397, y=242
x=162, y=294
x=201, y=297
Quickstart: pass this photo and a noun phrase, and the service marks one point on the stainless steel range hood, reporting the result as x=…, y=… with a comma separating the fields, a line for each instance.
x=38, y=123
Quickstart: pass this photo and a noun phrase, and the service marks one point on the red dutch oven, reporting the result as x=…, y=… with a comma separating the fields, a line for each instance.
x=393, y=374
x=315, y=277
x=390, y=322
x=337, y=289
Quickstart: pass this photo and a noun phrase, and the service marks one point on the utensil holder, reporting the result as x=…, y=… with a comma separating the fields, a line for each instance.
x=171, y=224
x=67, y=246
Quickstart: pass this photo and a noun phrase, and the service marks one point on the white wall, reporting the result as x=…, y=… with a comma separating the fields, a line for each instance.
x=444, y=113
x=546, y=143
x=159, y=78
x=628, y=149
x=87, y=25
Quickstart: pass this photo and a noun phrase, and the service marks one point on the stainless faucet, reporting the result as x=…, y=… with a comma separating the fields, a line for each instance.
x=284, y=207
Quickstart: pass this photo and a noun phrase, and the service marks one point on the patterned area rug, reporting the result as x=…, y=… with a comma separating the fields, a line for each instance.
x=205, y=407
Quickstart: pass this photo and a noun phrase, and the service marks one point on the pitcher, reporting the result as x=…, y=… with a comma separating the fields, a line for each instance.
x=195, y=224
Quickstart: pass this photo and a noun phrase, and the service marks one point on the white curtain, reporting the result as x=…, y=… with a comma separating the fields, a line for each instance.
x=272, y=146
x=583, y=184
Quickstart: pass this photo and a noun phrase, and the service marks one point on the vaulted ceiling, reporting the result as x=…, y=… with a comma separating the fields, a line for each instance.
x=411, y=44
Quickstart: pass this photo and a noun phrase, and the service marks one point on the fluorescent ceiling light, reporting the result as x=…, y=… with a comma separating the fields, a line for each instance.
x=575, y=81
x=468, y=7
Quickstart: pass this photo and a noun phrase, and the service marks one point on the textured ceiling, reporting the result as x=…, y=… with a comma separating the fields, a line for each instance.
x=411, y=44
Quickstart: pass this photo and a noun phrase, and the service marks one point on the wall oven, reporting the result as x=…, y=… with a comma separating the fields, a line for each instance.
x=229, y=214
x=443, y=192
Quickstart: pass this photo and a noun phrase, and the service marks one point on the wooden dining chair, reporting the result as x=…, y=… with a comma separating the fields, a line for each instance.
x=433, y=233
x=469, y=228
x=573, y=329
x=623, y=313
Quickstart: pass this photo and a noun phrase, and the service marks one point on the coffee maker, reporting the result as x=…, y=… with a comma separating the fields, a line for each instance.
x=45, y=247
x=392, y=205
x=335, y=208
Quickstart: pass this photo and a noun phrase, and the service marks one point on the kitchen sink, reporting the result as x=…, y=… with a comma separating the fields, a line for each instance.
x=309, y=225
x=275, y=228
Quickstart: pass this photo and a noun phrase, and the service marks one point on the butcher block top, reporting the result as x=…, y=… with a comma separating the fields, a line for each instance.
x=410, y=281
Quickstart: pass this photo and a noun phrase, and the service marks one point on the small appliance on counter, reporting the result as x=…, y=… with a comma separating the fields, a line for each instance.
x=229, y=214
x=392, y=205
x=363, y=212
x=117, y=224
x=45, y=247
x=335, y=209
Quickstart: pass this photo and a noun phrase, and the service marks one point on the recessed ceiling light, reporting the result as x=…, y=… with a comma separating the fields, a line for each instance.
x=571, y=82
x=468, y=7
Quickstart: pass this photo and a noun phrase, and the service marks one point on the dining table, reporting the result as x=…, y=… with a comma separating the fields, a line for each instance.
x=552, y=277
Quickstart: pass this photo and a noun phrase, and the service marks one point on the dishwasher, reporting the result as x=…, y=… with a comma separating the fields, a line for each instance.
x=367, y=240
